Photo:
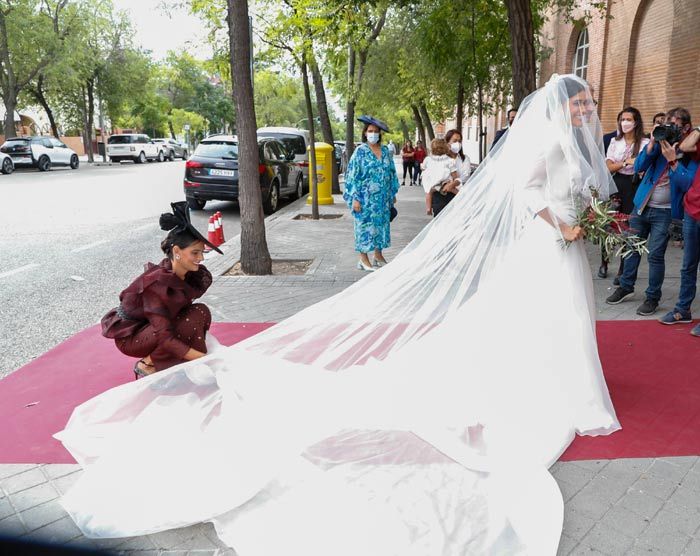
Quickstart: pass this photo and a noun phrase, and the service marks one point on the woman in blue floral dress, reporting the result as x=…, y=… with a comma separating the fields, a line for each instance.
x=371, y=185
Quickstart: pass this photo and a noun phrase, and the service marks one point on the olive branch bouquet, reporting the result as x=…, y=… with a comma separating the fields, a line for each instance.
x=604, y=226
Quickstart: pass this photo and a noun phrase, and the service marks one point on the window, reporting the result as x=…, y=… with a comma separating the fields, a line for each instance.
x=57, y=143
x=218, y=149
x=121, y=139
x=580, y=63
x=293, y=143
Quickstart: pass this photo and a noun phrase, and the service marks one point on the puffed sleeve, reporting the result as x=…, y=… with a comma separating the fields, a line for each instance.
x=353, y=178
x=156, y=312
x=465, y=169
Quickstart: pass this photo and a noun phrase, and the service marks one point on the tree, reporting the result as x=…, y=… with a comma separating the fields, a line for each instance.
x=522, y=40
x=525, y=19
x=31, y=34
x=255, y=256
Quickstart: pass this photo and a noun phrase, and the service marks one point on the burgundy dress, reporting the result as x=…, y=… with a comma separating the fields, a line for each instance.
x=156, y=315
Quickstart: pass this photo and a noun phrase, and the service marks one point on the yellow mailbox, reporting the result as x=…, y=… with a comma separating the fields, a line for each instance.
x=325, y=158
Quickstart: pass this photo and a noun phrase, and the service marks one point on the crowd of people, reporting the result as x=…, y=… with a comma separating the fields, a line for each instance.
x=658, y=185
x=655, y=173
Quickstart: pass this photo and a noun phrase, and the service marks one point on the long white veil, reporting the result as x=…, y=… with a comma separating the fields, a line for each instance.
x=350, y=422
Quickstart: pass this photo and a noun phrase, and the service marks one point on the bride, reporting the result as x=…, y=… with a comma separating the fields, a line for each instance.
x=415, y=413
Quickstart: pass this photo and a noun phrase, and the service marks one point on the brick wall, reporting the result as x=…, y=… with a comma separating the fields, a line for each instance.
x=645, y=54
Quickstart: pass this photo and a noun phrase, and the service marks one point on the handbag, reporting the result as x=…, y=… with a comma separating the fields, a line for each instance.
x=393, y=213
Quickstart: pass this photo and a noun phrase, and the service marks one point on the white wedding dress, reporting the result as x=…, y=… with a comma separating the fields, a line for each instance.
x=416, y=413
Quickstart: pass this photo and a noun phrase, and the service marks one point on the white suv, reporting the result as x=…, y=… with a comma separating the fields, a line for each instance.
x=133, y=146
x=40, y=152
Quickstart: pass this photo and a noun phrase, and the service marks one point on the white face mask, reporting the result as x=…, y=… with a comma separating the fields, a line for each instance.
x=455, y=147
x=372, y=137
x=627, y=126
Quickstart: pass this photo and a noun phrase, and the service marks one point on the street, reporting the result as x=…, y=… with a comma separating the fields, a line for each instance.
x=73, y=239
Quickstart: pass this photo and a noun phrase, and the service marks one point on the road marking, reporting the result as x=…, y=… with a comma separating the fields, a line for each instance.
x=18, y=270
x=89, y=246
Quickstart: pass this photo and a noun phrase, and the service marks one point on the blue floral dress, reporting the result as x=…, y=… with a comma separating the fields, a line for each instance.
x=374, y=184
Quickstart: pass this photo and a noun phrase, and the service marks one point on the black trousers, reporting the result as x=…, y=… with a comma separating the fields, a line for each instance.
x=441, y=201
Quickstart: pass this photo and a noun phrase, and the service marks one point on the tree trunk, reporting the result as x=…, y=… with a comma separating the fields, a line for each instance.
x=350, y=106
x=522, y=44
x=91, y=118
x=426, y=120
x=460, y=106
x=313, y=169
x=255, y=256
x=38, y=93
x=326, y=128
x=9, y=128
x=170, y=127
x=404, y=130
x=419, y=124
x=482, y=132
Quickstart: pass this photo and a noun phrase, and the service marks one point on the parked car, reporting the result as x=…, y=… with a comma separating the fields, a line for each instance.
x=296, y=141
x=172, y=149
x=40, y=152
x=134, y=146
x=211, y=173
x=6, y=164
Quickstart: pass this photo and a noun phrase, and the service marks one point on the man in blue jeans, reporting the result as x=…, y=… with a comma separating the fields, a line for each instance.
x=691, y=240
x=658, y=199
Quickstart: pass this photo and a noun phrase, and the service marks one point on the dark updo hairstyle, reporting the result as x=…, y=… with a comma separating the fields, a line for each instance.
x=176, y=235
x=364, y=133
x=574, y=86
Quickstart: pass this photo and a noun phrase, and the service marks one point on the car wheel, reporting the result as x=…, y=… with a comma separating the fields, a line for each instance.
x=195, y=204
x=185, y=154
x=141, y=158
x=273, y=198
x=8, y=166
x=74, y=162
x=44, y=163
x=299, y=191
x=161, y=156
x=171, y=156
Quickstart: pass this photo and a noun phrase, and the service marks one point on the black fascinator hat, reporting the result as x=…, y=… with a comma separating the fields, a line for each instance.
x=369, y=120
x=178, y=222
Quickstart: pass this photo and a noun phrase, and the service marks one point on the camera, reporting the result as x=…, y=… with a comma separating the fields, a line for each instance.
x=667, y=132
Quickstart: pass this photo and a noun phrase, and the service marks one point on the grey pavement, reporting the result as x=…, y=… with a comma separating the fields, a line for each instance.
x=612, y=507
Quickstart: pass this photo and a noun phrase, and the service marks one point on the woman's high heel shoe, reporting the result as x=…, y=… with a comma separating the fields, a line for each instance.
x=140, y=373
x=363, y=266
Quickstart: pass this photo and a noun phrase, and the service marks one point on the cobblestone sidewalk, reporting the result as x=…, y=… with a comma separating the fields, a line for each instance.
x=618, y=507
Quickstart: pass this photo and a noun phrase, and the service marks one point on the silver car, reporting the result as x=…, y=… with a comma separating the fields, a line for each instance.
x=173, y=149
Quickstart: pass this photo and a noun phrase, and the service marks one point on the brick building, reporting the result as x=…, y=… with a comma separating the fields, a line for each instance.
x=643, y=53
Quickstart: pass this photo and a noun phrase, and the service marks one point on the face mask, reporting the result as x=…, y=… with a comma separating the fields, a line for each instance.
x=627, y=126
x=372, y=138
x=455, y=147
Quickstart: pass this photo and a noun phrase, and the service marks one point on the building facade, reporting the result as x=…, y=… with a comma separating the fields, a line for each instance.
x=643, y=53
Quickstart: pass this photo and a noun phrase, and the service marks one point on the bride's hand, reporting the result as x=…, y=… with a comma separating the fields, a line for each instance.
x=571, y=233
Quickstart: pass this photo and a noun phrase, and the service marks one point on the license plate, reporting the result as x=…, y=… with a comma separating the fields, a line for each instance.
x=218, y=172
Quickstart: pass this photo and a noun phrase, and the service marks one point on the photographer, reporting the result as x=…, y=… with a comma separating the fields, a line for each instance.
x=691, y=234
x=658, y=199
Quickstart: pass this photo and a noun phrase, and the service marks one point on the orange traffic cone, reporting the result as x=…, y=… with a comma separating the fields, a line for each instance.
x=217, y=230
x=220, y=219
x=212, y=236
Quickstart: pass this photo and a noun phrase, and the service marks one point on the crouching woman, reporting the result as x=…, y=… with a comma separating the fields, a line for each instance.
x=156, y=319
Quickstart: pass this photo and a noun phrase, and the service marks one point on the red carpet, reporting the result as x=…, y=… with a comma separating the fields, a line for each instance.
x=653, y=373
